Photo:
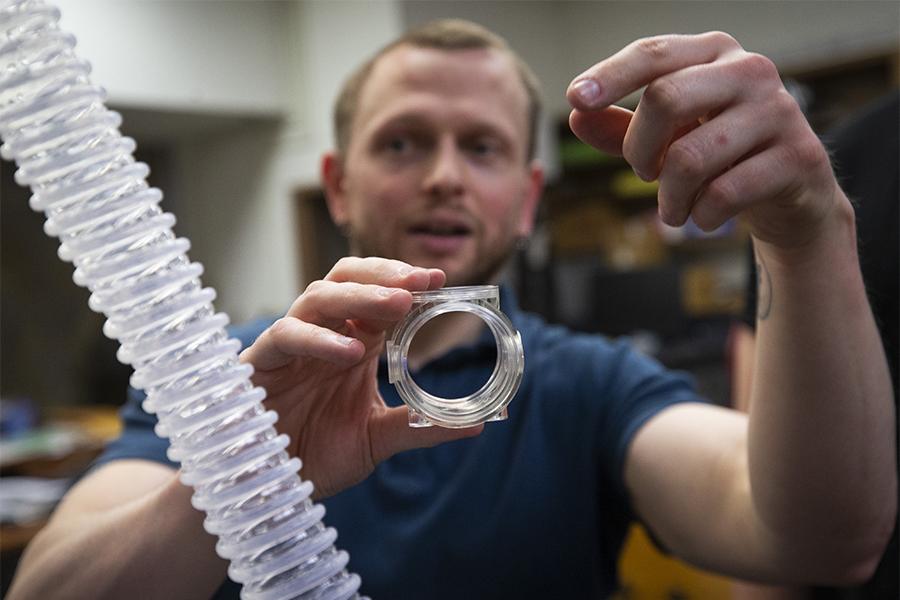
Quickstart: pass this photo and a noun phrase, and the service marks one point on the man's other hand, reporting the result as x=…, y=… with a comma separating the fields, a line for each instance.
x=718, y=130
x=319, y=363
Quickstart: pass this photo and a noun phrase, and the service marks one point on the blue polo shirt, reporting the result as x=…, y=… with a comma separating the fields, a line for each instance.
x=534, y=507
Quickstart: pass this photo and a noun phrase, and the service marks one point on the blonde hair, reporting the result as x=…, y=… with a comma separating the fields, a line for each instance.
x=444, y=34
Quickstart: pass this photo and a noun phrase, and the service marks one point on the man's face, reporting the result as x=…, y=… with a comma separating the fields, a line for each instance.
x=436, y=172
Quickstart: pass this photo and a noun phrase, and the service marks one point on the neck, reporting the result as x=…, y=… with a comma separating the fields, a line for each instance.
x=441, y=335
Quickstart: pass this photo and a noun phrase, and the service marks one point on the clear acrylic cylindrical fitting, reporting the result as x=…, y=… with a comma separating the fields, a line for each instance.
x=489, y=402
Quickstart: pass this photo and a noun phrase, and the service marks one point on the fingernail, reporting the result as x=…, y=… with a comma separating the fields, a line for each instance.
x=343, y=340
x=405, y=270
x=386, y=292
x=588, y=91
x=641, y=175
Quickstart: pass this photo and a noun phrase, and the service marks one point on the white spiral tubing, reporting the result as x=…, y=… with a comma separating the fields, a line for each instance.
x=68, y=149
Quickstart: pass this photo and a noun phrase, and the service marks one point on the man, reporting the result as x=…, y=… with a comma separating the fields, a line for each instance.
x=434, y=169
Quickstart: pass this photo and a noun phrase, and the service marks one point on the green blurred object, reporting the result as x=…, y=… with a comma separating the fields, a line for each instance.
x=575, y=153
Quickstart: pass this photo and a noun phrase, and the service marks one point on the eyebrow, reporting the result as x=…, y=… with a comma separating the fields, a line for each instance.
x=415, y=120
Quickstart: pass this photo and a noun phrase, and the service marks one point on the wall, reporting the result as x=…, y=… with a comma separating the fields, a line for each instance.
x=202, y=56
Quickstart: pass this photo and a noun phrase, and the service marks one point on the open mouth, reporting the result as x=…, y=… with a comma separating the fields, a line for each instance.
x=441, y=237
x=441, y=230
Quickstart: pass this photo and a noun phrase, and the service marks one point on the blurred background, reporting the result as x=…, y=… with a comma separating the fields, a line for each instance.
x=230, y=103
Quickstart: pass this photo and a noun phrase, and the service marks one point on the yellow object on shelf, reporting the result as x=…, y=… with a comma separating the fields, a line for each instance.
x=646, y=574
x=101, y=423
x=708, y=290
x=625, y=184
x=586, y=228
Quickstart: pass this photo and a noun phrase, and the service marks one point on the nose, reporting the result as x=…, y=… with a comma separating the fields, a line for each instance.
x=445, y=171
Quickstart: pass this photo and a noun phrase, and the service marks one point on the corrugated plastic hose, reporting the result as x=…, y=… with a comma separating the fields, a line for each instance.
x=66, y=143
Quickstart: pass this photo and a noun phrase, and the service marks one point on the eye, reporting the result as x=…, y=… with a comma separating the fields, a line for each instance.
x=485, y=147
x=401, y=145
x=398, y=145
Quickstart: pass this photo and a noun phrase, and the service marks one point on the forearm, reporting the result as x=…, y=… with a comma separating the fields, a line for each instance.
x=821, y=445
x=151, y=547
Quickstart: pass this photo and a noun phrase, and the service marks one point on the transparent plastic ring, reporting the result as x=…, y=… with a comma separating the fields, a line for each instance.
x=489, y=402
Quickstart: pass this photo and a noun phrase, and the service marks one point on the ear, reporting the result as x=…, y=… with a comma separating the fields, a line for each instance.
x=332, y=174
x=534, y=186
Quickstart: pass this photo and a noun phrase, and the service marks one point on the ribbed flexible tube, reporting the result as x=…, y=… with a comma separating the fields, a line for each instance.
x=66, y=143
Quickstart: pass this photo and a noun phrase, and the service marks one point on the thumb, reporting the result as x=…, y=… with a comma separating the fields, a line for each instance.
x=390, y=433
x=603, y=129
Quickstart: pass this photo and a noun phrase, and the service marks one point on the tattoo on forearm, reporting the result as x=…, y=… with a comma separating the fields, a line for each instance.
x=763, y=290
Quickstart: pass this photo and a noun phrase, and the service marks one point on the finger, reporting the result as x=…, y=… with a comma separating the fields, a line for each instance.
x=672, y=106
x=289, y=338
x=641, y=62
x=381, y=271
x=676, y=103
x=766, y=178
x=330, y=304
x=705, y=153
x=603, y=129
x=370, y=326
x=391, y=434
x=436, y=279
